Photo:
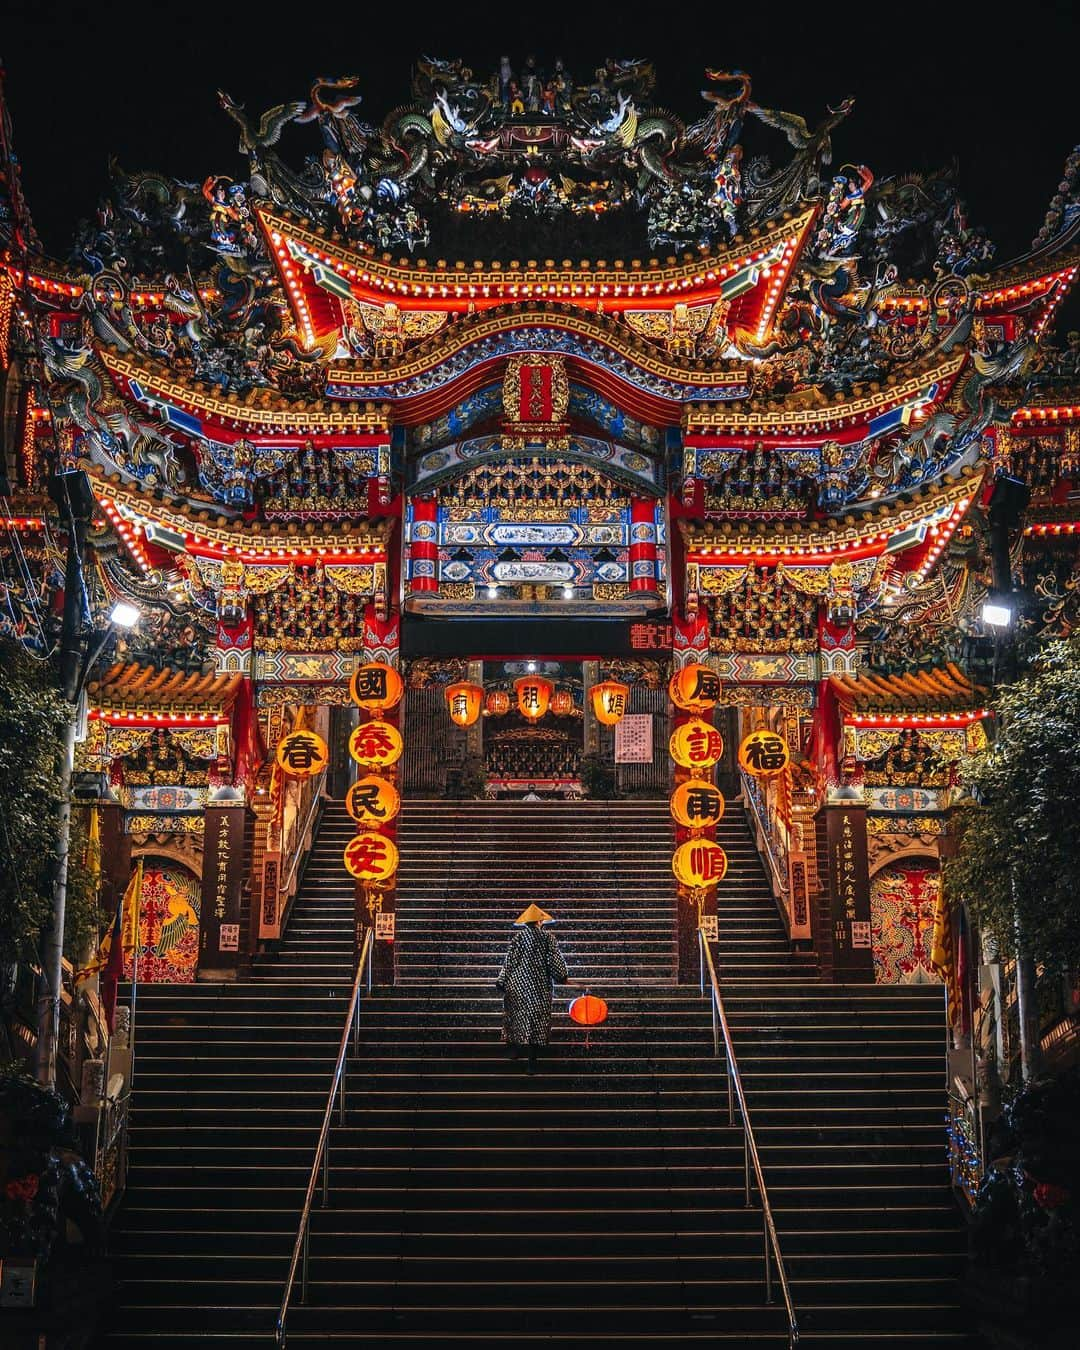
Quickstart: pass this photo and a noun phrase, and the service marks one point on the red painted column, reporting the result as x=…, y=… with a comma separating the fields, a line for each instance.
x=644, y=572
x=424, y=546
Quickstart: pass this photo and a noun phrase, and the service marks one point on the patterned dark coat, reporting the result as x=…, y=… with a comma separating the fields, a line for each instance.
x=533, y=962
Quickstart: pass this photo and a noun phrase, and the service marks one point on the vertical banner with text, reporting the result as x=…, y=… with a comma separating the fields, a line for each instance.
x=222, y=882
x=849, y=892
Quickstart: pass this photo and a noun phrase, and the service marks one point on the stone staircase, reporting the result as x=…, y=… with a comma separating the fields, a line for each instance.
x=603, y=869
x=599, y=1203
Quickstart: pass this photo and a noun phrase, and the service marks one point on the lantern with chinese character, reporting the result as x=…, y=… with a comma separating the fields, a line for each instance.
x=463, y=700
x=533, y=696
x=376, y=686
x=763, y=754
x=371, y=857
x=696, y=744
x=609, y=701
x=372, y=800
x=301, y=754
x=497, y=703
x=695, y=688
x=376, y=745
x=698, y=863
x=696, y=803
x=562, y=703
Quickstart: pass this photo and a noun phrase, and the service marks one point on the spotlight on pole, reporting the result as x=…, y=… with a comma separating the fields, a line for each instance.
x=997, y=612
x=124, y=615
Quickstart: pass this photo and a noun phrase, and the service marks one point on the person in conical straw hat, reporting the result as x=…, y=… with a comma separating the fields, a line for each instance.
x=533, y=964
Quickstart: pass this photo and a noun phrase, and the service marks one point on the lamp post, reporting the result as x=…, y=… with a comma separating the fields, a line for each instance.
x=75, y=671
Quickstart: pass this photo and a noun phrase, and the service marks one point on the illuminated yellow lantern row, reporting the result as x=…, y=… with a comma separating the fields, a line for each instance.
x=763, y=754
x=696, y=745
x=610, y=700
x=463, y=701
x=301, y=754
x=376, y=686
x=533, y=696
x=696, y=804
x=695, y=688
x=371, y=857
x=699, y=862
x=372, y=800
x=376, y=745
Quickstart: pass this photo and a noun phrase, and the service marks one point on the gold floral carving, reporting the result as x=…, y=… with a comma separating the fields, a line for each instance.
x=722, y=580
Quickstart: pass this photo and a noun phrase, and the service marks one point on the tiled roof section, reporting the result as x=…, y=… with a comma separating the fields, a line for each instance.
x=944, y=688
x=126, y=686
x=209, y=522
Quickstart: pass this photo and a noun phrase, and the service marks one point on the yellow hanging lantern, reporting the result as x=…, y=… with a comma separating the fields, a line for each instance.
x=697, y=803
x=533, y=696
x=763, y=754
x=695, y=688
x=696, y=745
x=497, y=703
x=699, y=862
x=301, y=754
x=372, y=800
x=376, y=745
x=609, y=701
x=371, y=857
x=376, y=686
x=463, y=701
x=562, y=703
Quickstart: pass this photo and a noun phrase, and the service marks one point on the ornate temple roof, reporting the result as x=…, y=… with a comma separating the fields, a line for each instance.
x=135, y=689
x=891, y=527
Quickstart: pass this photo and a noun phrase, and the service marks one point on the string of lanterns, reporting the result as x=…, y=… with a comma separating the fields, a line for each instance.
x=696, y=804
x=534, y=696
x=373, y=801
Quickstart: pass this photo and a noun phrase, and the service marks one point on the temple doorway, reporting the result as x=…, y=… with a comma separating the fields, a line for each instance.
x=532, y=755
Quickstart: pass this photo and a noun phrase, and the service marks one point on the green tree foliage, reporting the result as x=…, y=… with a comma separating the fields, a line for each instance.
x=1020, y=848
x=32, y=712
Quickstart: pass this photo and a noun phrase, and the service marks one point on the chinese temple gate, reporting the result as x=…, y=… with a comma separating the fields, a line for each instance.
x=350, y=415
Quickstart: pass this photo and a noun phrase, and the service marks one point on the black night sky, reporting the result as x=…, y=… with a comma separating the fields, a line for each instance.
x=994, y=87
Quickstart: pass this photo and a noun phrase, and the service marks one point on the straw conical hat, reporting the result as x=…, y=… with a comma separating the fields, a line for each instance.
x=534, y=914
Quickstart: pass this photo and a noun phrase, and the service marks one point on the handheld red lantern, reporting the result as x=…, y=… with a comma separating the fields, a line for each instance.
x=588, y=1011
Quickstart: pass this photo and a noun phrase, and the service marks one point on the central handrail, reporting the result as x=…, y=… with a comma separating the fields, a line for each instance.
x=300, y=835
x=750, y=1151
x=322, y=1151
x=779, y=874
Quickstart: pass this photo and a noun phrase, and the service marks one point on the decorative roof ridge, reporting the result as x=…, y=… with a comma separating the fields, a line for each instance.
x=600, y=326
x=264, y=408
x=156, y=502
x=809, y=405
x=951, y=487
x=480, y=272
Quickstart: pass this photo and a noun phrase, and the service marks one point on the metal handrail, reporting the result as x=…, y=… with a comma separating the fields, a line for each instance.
x=779, y=875
x=300, y=835
x=750, y=1152
x=322, y=1150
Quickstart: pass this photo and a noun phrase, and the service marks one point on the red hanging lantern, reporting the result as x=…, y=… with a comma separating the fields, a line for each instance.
x=533, y=696
x=562, y=703
x=463, y=701
x=497, y=703
x=610, y=700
